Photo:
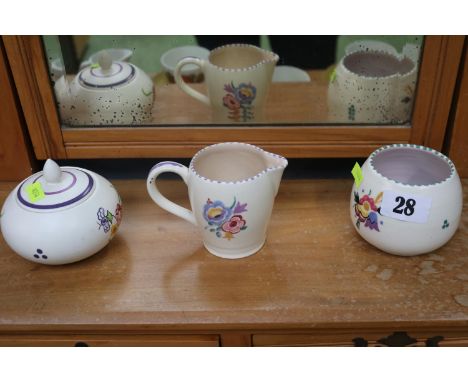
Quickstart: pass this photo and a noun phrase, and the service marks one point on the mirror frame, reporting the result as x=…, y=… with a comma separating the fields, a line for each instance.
x=439, y=67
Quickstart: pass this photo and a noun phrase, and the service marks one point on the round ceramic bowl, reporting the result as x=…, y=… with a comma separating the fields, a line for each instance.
x=409, y=201
x=286, y=73
x=170, y=59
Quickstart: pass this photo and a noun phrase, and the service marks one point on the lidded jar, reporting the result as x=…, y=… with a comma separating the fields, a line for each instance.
x=60, y=215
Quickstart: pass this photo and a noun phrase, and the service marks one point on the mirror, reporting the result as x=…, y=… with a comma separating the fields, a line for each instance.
x=111, y=81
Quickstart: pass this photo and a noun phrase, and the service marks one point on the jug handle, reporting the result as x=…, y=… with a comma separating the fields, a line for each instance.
x=181, y=83
x=161, y=200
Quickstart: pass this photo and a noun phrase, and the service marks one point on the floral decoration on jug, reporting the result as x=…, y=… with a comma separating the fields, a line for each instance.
x=225, y=221
x=367, y=210
x=239, y=101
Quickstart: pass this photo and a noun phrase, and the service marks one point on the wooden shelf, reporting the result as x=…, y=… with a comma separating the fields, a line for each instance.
x=287, y=103
x=315, y=277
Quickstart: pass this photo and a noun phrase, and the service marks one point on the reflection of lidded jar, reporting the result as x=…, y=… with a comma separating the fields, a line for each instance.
x=107, y=93
x=372, y=86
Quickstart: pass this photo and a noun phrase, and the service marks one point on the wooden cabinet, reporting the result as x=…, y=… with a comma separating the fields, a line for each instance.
x=366, y=338
x=15, y=156
x=316, y=282
x=437, y=77
x=457, y=139
x=108, y=340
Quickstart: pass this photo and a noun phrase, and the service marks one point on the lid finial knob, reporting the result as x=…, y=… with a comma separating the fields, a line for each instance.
x=52, y=172
x=105, y=60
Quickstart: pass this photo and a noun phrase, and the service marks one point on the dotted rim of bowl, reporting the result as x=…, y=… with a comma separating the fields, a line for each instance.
x=417, y=147
x=268, y=169
x=375, y=78
x=274, y=57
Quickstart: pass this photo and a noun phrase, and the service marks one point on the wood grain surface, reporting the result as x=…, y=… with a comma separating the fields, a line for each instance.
x=286, y=103
x=314, y=273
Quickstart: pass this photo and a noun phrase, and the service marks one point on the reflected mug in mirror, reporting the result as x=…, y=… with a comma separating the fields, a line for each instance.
x=237, y=76
x=372, y=86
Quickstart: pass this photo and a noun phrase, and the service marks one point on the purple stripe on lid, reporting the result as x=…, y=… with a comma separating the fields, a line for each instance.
x=85, y=192
x=94, y=72
x=124, y=81
x=59, y=191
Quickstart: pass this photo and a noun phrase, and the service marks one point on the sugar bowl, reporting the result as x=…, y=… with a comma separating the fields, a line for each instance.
x=60, y=215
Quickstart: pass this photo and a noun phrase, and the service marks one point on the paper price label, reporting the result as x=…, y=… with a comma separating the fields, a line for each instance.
x=406, y=207
x=357, y=174
x=35, y=192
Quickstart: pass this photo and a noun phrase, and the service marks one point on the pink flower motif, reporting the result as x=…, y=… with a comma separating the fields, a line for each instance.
x=231, y=102
x=367, y=198
x=118, y=213
x=234, y=225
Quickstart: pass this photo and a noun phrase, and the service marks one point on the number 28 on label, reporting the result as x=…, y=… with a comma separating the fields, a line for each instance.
x=406, y=207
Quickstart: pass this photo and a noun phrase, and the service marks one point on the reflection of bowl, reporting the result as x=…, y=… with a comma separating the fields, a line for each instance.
x=117, y=54
x=366, y=45
x=170, y=59
x=285, y=73
x=57, y=69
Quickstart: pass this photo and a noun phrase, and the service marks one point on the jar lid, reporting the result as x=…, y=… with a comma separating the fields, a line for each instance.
x=106, y=73
x=55, y=187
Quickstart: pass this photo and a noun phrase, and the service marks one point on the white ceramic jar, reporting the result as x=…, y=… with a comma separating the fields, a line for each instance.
x=409, y=201
x=78, y=214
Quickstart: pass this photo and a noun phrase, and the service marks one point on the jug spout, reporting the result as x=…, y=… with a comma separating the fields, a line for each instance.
x=275, y=165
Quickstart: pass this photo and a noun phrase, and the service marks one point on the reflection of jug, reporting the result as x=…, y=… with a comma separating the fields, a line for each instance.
x=238, y=78
x=231, y=188
x=372, y=86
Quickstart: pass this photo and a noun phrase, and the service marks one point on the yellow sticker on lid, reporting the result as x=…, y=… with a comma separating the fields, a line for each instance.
x=35, y=192
x=357, y=173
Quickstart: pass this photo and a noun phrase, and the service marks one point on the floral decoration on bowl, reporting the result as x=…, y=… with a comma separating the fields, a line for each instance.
x=367, y=210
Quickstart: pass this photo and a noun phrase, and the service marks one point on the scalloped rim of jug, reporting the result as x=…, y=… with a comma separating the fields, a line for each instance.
x=274, y=57
x=261, y=173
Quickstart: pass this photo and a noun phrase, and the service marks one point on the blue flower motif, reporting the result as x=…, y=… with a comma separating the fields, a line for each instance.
x=246, y=93
x=216, y=213
x=373, y=221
